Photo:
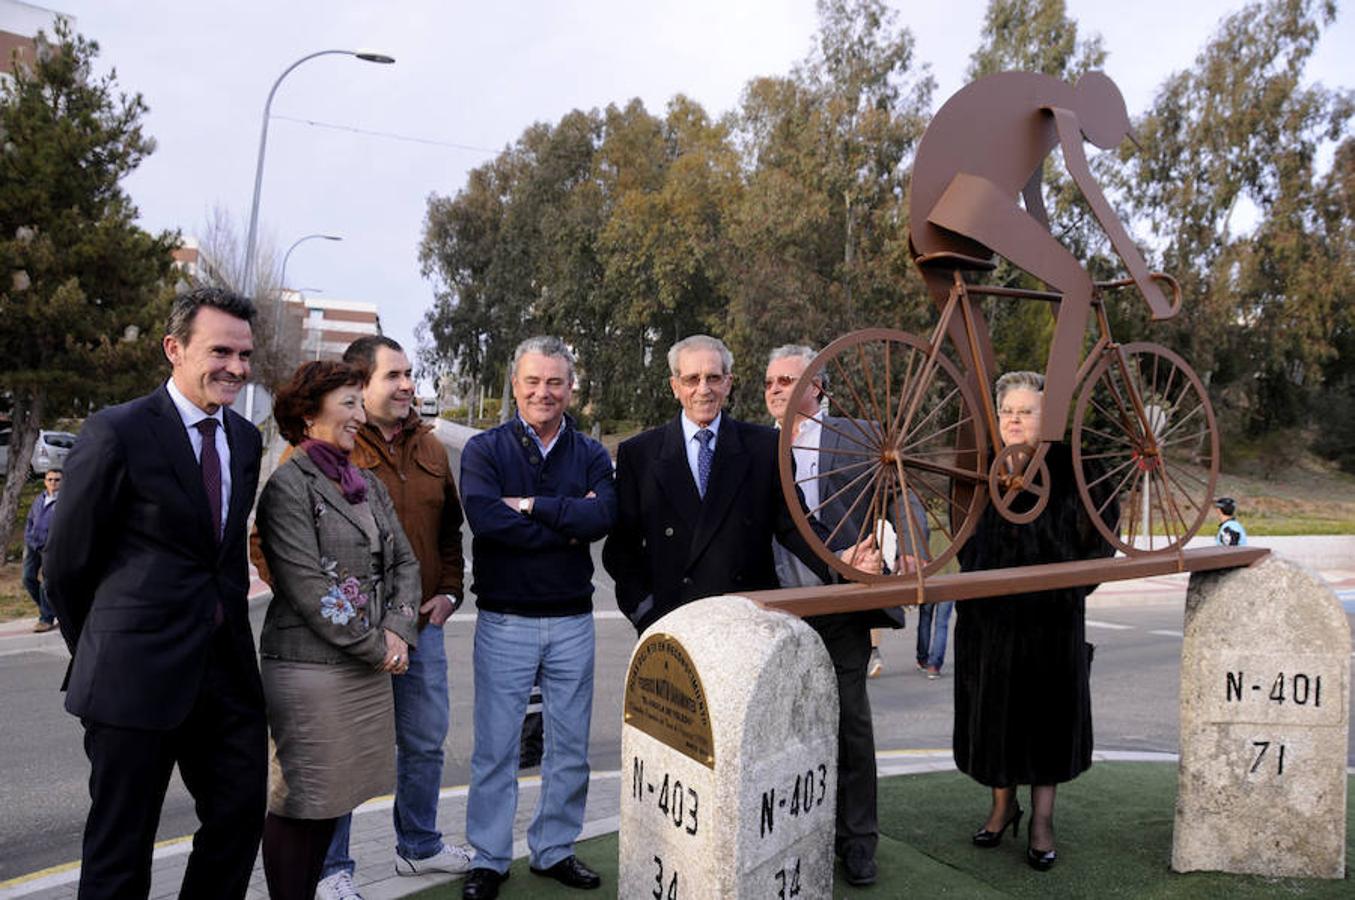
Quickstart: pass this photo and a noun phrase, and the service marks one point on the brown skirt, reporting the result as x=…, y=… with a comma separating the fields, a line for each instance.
x=332, y=737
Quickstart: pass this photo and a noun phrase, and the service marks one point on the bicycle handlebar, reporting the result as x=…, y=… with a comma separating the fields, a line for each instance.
x=1161, y=277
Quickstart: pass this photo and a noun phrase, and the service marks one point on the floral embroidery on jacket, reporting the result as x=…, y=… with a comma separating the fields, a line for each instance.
x=344, y=600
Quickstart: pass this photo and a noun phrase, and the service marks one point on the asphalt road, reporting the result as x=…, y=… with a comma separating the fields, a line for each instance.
x=43, y=789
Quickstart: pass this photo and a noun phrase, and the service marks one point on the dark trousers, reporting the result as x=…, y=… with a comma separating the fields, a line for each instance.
x=847, y=639
x=37, y=589
x=221, y=753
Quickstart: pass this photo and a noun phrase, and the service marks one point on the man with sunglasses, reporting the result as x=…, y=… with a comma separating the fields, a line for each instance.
x=818, y=438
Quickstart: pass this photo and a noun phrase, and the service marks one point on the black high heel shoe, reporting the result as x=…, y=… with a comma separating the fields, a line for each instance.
x=985, y=838
x=1041, y=860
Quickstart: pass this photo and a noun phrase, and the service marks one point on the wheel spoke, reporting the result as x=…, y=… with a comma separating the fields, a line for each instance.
x=839, y=492
x=816, y=477
x=870, y=385
x=871, y=442
x=940, y=405
x=959, y=423
x=860, y=409
x=1111, y=473
x=841, y=451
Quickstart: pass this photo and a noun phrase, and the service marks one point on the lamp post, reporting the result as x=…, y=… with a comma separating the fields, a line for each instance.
x=365, y=56
x=277, y=312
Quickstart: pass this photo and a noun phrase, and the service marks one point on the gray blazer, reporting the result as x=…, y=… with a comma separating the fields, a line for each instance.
x=839, y=434
x=329, y=605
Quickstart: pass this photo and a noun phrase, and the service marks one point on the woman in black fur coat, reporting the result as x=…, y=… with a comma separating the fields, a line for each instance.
x=1022, y=699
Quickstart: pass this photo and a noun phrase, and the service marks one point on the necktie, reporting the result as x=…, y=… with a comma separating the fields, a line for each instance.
x=211, y=473
x=704, y=457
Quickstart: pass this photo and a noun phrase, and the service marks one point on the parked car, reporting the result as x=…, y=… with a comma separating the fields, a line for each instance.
x=51, y=450
x=428, y=407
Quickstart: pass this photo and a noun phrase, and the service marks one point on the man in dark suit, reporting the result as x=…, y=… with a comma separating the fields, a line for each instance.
x=146, y=570
x=700, y=499
x=826, y=463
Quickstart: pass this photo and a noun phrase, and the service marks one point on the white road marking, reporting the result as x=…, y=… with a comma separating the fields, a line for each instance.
x=1167, y=632
x=1114, y=626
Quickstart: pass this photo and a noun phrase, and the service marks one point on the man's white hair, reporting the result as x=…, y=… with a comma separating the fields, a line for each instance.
x=700, y=342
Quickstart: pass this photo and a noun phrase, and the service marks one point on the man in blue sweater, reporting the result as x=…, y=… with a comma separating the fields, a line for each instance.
x=536, y=492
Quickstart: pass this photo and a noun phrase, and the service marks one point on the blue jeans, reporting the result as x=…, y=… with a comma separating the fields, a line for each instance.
x=511, y=652
x=421, y=720
x=933, y=621
x=36, y=589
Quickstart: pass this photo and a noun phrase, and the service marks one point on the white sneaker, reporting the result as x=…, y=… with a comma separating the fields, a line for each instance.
x=452, y=860
x=338, y=886
x=875, y=665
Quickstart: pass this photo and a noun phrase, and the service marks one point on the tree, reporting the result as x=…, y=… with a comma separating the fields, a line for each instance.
x=277, y=339
x=82, y=289
x=821, y=228
x=1241, y=130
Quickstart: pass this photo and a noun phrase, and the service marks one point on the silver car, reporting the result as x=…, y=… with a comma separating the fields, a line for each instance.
x=51, y=450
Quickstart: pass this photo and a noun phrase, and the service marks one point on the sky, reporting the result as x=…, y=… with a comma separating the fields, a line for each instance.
x=469, y=77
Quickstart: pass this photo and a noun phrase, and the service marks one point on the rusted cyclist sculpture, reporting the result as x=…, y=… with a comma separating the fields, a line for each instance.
x=916, y=416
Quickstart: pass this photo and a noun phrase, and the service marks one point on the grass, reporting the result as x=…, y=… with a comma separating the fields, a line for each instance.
x=1115, y=830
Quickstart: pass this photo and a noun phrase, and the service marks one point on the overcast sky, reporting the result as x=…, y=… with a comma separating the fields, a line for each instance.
x=469, y=77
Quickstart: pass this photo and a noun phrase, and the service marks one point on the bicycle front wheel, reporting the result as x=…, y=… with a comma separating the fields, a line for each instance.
x=1144, y=438
x=900, y=456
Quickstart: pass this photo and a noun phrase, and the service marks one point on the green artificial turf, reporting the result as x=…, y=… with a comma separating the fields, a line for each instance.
x=1114, y=837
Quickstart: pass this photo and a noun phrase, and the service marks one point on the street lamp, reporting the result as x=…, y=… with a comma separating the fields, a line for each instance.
x=277, y=312
x=365, y=56
x=298, y=242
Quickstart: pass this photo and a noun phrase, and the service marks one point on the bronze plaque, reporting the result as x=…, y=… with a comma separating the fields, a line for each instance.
x=665, y=699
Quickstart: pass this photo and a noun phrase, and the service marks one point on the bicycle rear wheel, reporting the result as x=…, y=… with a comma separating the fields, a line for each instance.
x=1144, y=437
x=894, y=426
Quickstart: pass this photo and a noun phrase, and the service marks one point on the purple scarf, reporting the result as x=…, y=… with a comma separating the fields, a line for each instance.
x=334, y=463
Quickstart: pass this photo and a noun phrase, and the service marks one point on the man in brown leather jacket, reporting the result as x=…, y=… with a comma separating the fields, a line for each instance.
x=412, y=464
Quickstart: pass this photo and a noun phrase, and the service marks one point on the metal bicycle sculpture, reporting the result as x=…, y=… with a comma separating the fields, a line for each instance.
x=915, y=417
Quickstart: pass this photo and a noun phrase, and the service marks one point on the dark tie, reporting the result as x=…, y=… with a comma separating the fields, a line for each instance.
x=704, y=457
x=211, y=473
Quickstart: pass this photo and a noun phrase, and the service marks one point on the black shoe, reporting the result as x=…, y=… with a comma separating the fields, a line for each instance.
x=1041, y=860
x=572, y=873
x=985, y=838
x=482, y=884
x=859, y=866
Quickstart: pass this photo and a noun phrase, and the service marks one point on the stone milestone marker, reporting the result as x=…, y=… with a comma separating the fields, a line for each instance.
x=728, y=757
x=1265, y=680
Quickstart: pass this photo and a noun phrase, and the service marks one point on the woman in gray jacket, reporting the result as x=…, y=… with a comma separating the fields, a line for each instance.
x=341, y=623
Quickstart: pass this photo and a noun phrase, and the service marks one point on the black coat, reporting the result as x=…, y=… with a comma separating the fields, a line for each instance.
x=134, y=569
x=670, y=546
x=1022, y=695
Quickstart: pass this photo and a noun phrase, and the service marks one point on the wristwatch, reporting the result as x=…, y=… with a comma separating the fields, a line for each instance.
x=525, y=506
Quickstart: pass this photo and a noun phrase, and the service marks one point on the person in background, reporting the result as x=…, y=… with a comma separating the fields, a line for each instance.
x=537, y=492
x=1231, y=533
x=145, y=567
x=36, y=526
x=933, y=625
x=342, y=621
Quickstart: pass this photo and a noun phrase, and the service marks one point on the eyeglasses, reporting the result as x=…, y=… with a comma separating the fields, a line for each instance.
x=784, y=380
x=1005, y=413
x=694, y=380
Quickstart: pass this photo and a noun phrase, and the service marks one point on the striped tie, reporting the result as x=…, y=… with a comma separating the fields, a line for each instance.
x=704, y=457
